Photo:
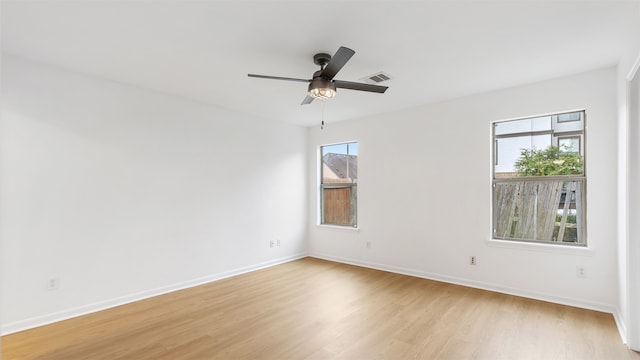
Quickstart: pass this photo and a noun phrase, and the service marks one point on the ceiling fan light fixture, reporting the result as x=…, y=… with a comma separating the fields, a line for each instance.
x=322, y=89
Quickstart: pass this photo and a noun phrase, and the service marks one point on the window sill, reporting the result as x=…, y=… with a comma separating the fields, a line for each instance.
x=540, y=247
x=338, y=227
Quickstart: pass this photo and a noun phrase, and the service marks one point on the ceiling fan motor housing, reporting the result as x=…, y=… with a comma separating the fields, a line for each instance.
x=321, y=59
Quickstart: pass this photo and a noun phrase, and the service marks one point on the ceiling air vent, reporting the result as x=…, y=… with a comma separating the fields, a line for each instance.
x=377, y=78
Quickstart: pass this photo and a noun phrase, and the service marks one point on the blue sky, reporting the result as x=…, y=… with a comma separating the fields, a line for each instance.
x=341, y=149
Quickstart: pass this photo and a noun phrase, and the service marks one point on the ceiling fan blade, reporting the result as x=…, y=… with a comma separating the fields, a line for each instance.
x=278, y=78
x=337, y=62
x=307, y=100
x=360, y=86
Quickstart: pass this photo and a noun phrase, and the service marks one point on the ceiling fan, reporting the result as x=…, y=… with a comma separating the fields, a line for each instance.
x=322, y=86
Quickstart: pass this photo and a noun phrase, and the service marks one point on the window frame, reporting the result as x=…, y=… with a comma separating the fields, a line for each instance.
x=322, y=186
x=581, y=226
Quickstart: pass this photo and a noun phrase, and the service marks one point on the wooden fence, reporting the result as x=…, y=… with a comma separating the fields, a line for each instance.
x=529, y=210
x=337, y=206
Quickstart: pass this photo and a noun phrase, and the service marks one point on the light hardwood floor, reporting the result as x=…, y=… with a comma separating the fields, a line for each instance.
x=315, y=309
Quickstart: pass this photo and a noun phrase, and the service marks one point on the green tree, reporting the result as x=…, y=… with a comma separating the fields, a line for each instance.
x=549, y=162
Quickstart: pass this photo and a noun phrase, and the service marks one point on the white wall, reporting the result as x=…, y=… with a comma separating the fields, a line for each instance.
x=628, y=318
x=124, y=193
x=632, y=278
x=424, y=192
x=630, y=233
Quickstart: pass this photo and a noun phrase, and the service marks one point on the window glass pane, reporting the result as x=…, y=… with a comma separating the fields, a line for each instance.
x=542, y=210
x=509, y=150
x=339, y=206
x=539, y=147
x=353, y=161
x=353, y=149
x=340, y=163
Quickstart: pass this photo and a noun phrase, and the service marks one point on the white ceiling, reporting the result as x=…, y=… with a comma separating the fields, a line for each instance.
x=203, y=50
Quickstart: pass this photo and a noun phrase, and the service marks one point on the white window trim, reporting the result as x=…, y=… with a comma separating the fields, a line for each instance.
x=338, y=227
x=540, y=246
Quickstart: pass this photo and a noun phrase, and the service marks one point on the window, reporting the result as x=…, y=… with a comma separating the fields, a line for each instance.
x=338, y=184
x=569, y=144
x=575, y=116
x=539, y=183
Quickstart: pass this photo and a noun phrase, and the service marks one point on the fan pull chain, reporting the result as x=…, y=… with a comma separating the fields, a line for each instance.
x=322, y=124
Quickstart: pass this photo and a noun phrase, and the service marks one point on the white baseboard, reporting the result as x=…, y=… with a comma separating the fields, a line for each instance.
x=607, y=308
x=620, y=324
x=31, y=323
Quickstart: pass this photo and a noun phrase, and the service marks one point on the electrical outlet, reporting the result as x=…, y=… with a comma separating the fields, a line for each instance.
x=368, y=244
x=580, y=271
x=271, y=243
x=278, y=243
x=53, y=283
x=472, y=260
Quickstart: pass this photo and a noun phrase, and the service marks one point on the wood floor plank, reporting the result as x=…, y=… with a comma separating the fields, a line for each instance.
x=316, y=309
